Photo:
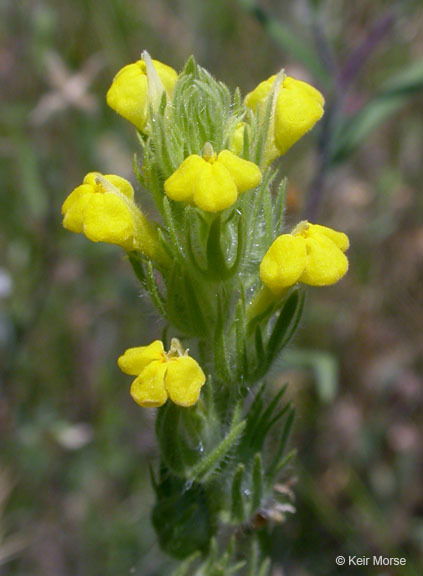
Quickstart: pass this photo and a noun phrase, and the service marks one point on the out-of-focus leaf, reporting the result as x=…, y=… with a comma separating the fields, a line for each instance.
x=289, y=40
x=322, y=364
x=351, y=132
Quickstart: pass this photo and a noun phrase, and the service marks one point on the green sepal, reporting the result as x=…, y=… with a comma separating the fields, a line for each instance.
x=189, y=68
x=175, y=451
x=197, y=229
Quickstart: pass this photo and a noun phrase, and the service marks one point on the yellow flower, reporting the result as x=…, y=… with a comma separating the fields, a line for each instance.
x=131, y=91
x=297, y=109
x=212, y=182
x=103, y=209
x=311, y=254
x=159, y=375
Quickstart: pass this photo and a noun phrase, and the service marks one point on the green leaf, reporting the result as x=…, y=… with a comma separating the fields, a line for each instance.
x=323, y=365
x=208, y=465
x=285, y=461
x=279, y=208
x=151, y=285
x=259, y=346
x=285, y=327
x=265, y=567
x=275, y=465
x=266, y=421
x=241, y=337
x=173, y=229
x=237, y=505
x=221, y=359
x=257, y=484
x=136, y=262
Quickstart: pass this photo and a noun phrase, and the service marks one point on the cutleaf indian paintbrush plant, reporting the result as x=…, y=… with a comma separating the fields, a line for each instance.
x=228, y=280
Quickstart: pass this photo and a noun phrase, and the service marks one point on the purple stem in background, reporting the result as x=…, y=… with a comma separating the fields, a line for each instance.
x=344, y=79
x=364, y=51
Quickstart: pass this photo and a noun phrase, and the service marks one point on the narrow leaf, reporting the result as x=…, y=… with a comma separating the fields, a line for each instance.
x=207, y=465
x=257, y=477
x=282, y=444
x=184, y=568
x=237, y=509
x=264, y=568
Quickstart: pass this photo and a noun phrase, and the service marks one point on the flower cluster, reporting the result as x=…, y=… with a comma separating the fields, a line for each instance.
x=161, y=375
x=207, y=158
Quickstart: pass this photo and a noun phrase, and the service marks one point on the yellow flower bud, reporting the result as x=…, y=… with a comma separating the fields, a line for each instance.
x=237, y=142
x=103, y=209
x=212, y=182
x=298, y=107
x=129, y=93
x=161, y=375
x=311, y=254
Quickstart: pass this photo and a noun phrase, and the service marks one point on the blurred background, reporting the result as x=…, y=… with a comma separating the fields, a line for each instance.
x=75, y=496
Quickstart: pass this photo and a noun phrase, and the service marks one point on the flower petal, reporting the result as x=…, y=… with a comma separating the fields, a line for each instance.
x=179, y=186
x=245, y=174
x=121, y=184
x=73, y=208
x=339, y=238
x=128, y=94
x=259, y=94
x=167, y=75
x=74, y=197
x=326, y=263
x=183, y=381
x=299, y=106
x=148, y=389
x=283, y=263
x=108, y=219
x=134, y=360
x=215, y=188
